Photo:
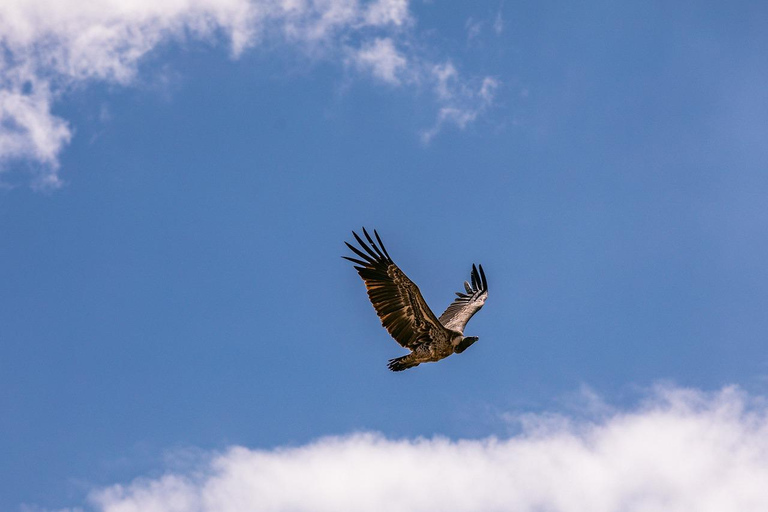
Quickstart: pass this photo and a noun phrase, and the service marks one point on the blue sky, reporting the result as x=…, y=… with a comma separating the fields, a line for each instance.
x=177, y=182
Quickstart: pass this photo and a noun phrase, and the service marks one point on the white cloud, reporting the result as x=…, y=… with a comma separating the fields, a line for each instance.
x=387, y=11
x=34, y=508
x=445, y=74
x=473, y=28
x=49, y=47
x=27, y=128
x=680, y=451
x=382, y=59
x=498, y=23
x=462, y=101
x=488, y=90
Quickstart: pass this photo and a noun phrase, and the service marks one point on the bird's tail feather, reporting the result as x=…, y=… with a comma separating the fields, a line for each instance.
x=399, y=364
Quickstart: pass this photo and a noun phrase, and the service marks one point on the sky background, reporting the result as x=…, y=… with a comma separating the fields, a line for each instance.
x=177, y=182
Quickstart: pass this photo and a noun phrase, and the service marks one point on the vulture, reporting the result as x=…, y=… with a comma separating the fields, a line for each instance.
x=404, y=312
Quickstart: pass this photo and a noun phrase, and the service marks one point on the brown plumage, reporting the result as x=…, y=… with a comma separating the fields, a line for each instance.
x=404, y=312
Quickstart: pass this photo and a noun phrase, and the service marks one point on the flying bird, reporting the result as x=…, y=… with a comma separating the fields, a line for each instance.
x=404, y=312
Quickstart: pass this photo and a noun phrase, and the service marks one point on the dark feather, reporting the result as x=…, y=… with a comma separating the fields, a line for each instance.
x=396, y=299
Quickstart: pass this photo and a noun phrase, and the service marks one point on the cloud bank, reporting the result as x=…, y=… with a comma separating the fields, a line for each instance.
x=680, y=451
x=49, y=47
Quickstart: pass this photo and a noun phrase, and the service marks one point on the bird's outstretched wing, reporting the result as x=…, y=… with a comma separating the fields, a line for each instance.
x=466, y=304
x=397, y=301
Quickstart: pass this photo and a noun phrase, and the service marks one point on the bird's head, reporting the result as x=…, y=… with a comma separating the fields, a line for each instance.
x=465, y=343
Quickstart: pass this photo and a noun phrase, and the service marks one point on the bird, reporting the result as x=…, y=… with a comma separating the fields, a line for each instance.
x=405, y=314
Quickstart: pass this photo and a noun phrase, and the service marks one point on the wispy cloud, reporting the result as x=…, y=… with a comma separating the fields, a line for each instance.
x=680, y=450
x=498, y=22
x=462, y=101
x=382, y=59
x=49, y=47
x=474, y=27
x=477, y=27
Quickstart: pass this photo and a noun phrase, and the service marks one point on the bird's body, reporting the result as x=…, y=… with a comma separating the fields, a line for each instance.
x=440, y=347
x=405, y=314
